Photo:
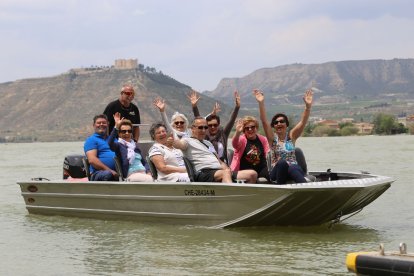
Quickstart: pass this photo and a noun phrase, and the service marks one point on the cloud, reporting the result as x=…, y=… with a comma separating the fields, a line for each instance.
x=198, y=42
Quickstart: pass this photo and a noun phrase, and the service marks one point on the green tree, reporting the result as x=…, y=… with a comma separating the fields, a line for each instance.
x=333, y=132
x=342, y=125
x=348, y=130
x=384, y=124
x=308, y=130
x=399, y=128
x=320, y=131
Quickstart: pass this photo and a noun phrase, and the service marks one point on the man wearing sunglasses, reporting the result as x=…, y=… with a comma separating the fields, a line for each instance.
x=216, y=134
x=201, y=153
x=126, y=108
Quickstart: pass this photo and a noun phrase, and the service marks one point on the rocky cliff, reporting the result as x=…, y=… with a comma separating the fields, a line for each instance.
x=333, y=81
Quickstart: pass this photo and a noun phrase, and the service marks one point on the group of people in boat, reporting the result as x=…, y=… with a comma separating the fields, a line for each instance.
x=201, y=141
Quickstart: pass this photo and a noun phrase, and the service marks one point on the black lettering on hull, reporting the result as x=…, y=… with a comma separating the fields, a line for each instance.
x=199, y=192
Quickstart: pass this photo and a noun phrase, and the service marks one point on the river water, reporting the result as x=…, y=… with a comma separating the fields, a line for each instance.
x=54, y=245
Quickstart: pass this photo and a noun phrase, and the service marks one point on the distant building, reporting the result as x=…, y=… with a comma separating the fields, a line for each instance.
x=410, y=118
x=347, y=120
x=332, y=124
x=410, y=121
x=314, y=119
x=364, y=128
x=126, y=63
x=402, y=120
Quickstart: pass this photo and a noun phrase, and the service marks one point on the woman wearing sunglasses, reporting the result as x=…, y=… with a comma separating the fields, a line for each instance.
x=134, y=166
x=250, y=148
x=179, y=123
x=167, y=160
x=282, y=140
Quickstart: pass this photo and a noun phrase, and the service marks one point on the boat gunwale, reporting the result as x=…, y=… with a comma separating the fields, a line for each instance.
x=358, y=182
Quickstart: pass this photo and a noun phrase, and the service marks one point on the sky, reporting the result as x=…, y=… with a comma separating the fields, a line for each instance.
x=198, y=42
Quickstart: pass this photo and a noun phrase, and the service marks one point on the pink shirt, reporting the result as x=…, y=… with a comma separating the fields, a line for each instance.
x=239, y=145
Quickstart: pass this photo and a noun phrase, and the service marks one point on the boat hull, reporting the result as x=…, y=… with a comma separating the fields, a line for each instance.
x=206, y=204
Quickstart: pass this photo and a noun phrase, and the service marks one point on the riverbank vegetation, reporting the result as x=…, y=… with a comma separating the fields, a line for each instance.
x=383, y=124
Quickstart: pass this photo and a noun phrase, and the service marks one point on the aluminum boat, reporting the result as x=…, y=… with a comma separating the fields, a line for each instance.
x=215, y=205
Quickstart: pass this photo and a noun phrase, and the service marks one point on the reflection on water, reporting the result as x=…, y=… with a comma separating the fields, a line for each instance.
x=43, y=245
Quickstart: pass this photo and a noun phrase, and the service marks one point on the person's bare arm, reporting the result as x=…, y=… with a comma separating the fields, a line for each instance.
x=161, y=105
x=179, y=143
x=194, y=98
x=160, y=164
x=93, y=159
x=263, y=117
x=297, y=131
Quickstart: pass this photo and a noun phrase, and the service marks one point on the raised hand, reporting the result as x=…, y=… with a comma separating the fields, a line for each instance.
x=259, y=95
x=237, y=98
x=239, y=126
x=193, y=97
x=118, y=120
x=216, y=108
x=159, y=103
x=308, y=98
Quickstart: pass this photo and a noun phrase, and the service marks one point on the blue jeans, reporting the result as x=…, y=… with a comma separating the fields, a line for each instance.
x=282, y=171
x=102, y=176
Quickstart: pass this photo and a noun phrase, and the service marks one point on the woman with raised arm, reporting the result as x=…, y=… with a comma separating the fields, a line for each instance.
x=134, y=166
x=282, y=140
x=179, y=122
x=250, y=148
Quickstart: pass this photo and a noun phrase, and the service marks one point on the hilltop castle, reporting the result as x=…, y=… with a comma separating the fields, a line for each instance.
x=120, y=64
x=126, y=63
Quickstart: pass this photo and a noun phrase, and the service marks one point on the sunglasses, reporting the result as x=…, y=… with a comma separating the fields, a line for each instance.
x=128, y=93
x=201, y=127
x=276, y=122
x=250, y=128
x=123, y=131
x=179, y=123
x=212, y=125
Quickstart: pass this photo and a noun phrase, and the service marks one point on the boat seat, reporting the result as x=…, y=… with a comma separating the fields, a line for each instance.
x=144, y=146
x=190, y=169
x=300, y=158
x=152, y=167
x=86, y=165
x=118, y=168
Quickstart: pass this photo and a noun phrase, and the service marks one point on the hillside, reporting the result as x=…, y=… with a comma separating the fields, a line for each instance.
x=355, y=89
x=61, y=108
x=344, y=79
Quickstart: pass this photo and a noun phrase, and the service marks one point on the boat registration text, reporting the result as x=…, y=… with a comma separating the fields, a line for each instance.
x=199, y=192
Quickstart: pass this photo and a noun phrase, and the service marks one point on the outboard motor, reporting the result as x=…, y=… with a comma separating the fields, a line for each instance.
x=73, y=166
